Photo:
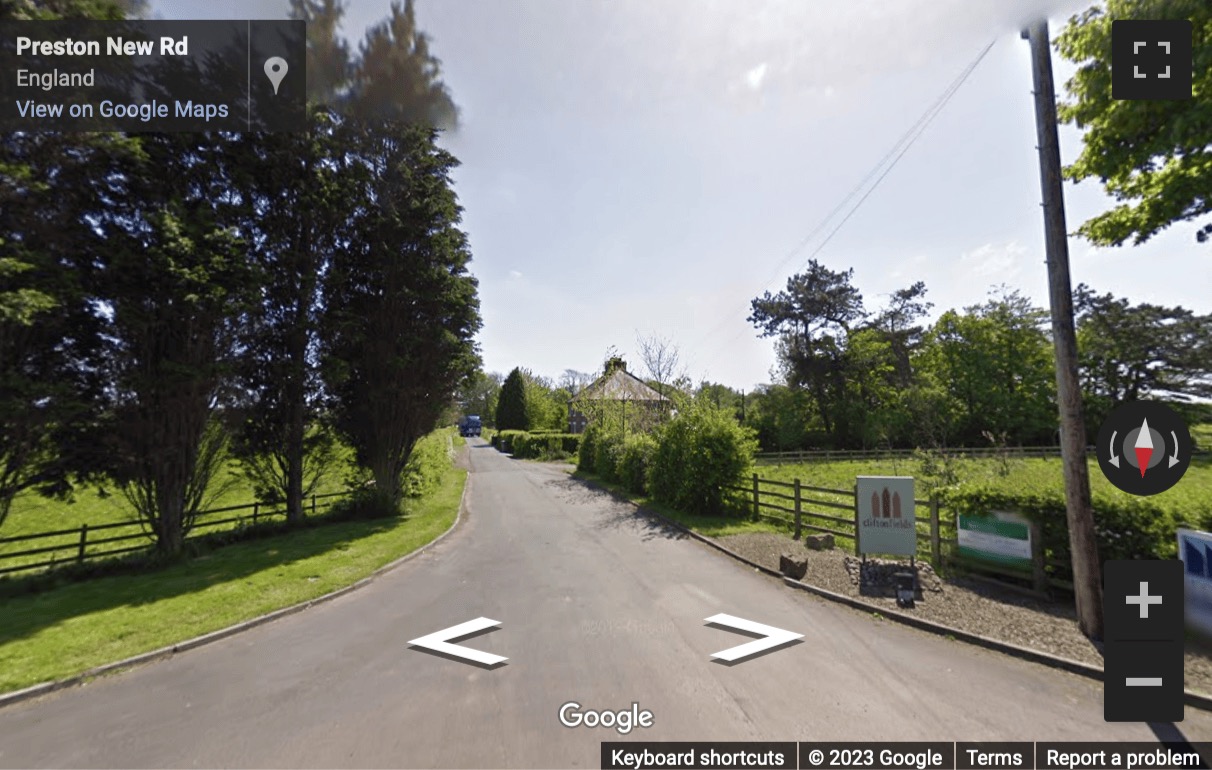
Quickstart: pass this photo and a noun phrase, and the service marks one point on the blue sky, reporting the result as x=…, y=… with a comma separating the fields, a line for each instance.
x=637, y=167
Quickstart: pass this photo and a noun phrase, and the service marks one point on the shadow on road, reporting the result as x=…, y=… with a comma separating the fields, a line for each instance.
x=616, y=513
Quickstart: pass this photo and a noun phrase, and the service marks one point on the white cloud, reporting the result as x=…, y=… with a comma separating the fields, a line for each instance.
x=515, y=275
x=755, y=76
x=995, y=262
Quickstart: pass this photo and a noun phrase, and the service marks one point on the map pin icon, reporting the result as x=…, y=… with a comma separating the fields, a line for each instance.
x=275, y=70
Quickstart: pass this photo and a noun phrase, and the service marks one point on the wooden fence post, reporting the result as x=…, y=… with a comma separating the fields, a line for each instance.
x=313, y=504
x=857, y=551
x=756, y=501
x=256, y=509
x=797, y=509
x=83, y=541
x=936, y=546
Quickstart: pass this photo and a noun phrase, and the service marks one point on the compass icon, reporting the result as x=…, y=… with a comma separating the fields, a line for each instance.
x=1144, y=447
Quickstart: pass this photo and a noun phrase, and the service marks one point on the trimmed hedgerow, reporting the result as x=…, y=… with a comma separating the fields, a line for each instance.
x=545, y=446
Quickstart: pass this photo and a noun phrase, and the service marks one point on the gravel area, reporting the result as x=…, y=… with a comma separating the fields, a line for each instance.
x=964, y=603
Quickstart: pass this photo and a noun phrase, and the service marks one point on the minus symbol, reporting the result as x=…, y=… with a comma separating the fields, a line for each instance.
x=1143, y=681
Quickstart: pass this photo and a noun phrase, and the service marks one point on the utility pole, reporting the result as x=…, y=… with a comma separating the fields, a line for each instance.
x=1087, y=577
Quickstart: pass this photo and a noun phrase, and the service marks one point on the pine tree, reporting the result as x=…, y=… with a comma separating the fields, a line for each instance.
x=511, y=404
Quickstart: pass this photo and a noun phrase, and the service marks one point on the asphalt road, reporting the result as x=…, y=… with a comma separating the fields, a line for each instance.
x=597, y=606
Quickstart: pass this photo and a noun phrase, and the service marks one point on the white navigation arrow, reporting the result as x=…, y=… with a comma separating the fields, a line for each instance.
x=1174, y=457
x=774, y=637
x=440, y=642
x=1114, y=457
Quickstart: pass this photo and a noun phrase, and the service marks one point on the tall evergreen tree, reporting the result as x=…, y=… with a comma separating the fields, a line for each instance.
x=50, y=186
x=174, y=281
x=396, y=76
x=400, y=307
x=328, y=58
x=293, y=207
x=512, y=411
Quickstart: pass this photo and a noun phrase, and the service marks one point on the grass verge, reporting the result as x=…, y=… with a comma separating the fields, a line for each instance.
x=69, y=630
x=711, y=526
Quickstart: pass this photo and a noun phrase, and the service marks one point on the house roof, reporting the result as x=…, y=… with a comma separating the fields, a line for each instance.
x=618, y=385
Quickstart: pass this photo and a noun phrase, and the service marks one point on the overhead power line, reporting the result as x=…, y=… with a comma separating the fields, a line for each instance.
x=865, y=186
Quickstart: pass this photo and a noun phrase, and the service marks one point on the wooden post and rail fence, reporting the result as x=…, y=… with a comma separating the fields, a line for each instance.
x=80, y=544
x=802, y=507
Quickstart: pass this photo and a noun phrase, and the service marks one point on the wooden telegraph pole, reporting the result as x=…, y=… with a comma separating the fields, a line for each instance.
x=1087, y=578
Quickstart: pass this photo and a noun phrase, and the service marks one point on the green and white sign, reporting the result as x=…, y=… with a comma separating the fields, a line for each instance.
x=1001, y=537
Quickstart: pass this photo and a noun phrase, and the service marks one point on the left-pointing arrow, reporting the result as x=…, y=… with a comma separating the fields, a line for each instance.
x=773, y=637
x=439, y=641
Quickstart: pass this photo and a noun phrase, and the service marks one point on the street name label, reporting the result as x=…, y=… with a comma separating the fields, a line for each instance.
x=135, y=76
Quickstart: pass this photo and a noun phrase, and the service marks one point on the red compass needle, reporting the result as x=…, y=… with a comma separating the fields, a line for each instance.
x=1144, y=447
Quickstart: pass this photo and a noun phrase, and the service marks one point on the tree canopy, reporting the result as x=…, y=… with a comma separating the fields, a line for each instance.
x=1154, y=157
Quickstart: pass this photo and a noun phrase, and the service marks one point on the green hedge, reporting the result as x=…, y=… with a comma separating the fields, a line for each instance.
x=537, y=445
x=1127, y=526
x=503, y=440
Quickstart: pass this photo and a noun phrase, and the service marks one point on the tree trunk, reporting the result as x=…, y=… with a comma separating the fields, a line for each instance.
x=296, y=428
x=294, y=466
x=387, y=480
x=170, y=518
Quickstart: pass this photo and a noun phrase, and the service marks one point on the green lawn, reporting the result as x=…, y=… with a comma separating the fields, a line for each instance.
x=33, y=514
x=78, y=626
x=1189, y=500
x=1129, y=527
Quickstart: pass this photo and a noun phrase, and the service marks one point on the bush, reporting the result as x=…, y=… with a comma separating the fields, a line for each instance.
x=504, y=440
x=1126, y=526
x=428, y=462
x=607, y=456
x=698, y=454
x=587, y=451
x=637, y=454
x=545, y=446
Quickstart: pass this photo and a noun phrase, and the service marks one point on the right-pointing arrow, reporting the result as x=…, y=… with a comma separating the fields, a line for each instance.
x=439, y=641
x=774, y=637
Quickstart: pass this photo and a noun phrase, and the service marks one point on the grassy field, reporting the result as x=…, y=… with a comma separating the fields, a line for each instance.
x=78, y=626
x=1128, y=527
x=1190, y=499
x=33, y=514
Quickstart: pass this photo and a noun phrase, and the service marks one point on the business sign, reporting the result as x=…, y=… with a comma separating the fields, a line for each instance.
x=884, y=515
x=1195, y=550
x=1001, y=537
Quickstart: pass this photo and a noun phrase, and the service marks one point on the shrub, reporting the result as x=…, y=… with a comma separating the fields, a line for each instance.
x=698, y=454
x=1126, y=527
x=636, y=458
x=544, y=446
x=505, y=440
x=607, y=456
x=587, y=451
x=428, y=462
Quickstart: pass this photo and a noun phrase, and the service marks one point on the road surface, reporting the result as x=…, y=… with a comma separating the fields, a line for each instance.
x=596, y=606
